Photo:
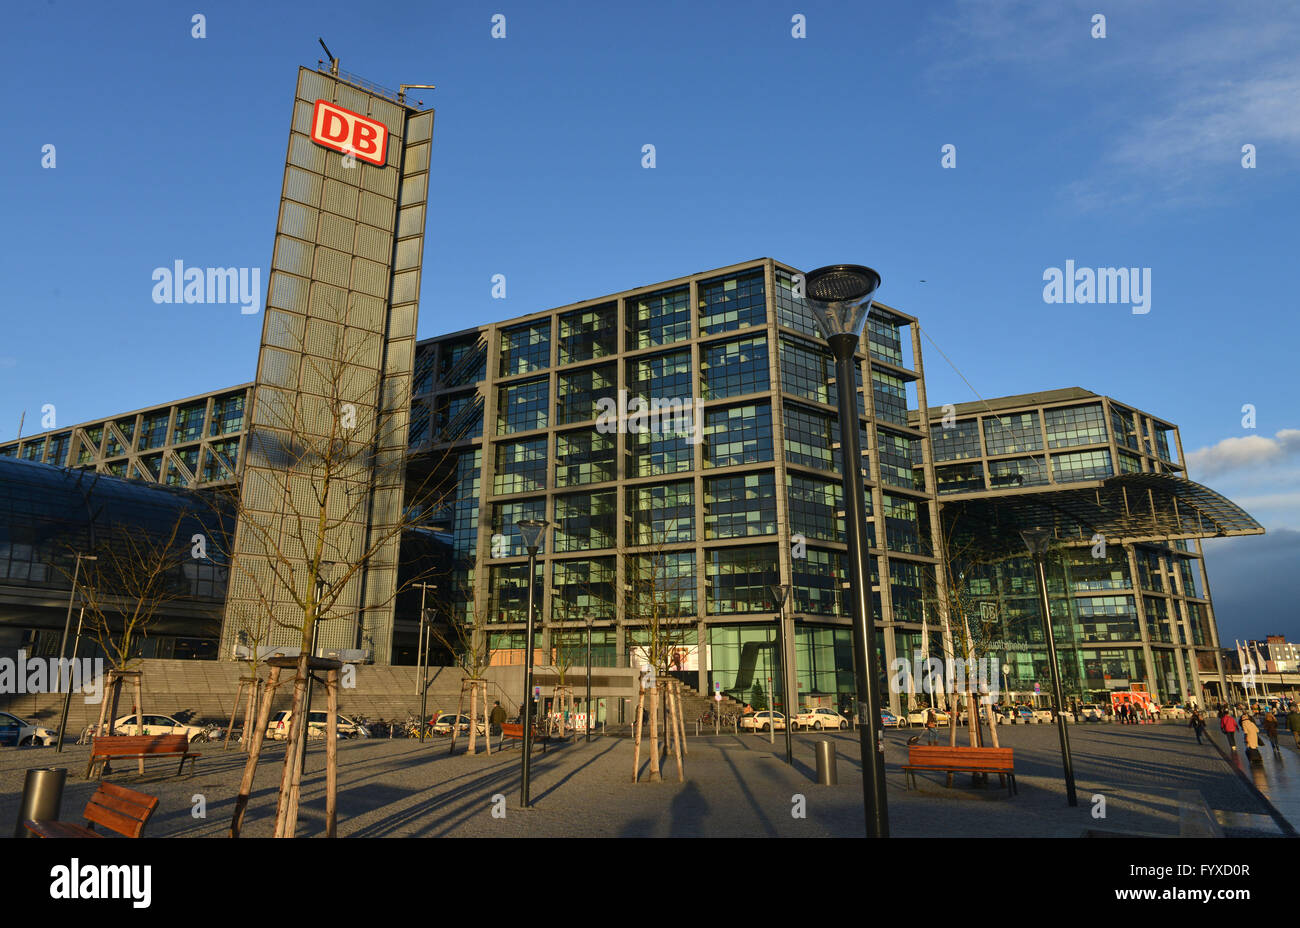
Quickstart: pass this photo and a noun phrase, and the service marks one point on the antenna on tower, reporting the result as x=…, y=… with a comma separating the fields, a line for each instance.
x=334, y=62
x=401, y=91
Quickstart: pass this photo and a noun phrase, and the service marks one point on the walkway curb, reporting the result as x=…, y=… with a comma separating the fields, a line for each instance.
x=1285, y=826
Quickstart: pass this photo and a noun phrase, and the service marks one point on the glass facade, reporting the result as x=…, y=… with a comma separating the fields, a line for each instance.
x=586, y=334
x=585, y=456
x=739, y=506
x=1013, y=434
x=733, y=368
x=1075, y=425
x=525, y=348
x=659, y=318
x=728, y=303
x=738, y=435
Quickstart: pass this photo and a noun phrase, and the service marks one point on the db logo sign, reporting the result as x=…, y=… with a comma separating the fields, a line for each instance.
x=349, y=132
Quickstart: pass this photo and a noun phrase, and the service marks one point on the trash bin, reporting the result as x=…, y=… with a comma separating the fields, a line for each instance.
x=826, y=775
x=42, y=797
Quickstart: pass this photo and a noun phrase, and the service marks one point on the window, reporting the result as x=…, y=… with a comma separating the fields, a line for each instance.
x=522, y=406
x=735, y=507
x=959, y=478
x=1129, y=463
x=579, y=390
x=505, y=521
x=525, y=348
x=957, y=441
x=1014, y=433
x=521, y=466
x=659, y=585
x=792, y=311
x=814, y=505
x=658, y=318
x=895, y=454
x=1123, y=423
x=586, y=521
x=738, y=579
x=189, y=423
x=584, y=457
x=581, y=590
x=1017, y=472
x=509, y=594
x=1075, y=425
x=153, y=430
x=808, y=437
x=213, y=468
x=652, y=453
x=88, y=449
x=902, y=530
x=732, y=302
x=883, y=340
x=734, y=368
x=586, y=334
x=891, y=397
x=738, y=435
x=462, y=361
x=806, y=370
x=662, y=513
x=1081, y=465
x=660, y=376
x=227, y=416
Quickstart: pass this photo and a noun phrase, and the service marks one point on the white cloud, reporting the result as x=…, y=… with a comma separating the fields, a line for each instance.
x=1245, y=453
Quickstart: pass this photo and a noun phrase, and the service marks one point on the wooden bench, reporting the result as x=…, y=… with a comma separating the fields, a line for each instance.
x=516, y=730
x=115, y=807
x=139, y=746
x=952, y=760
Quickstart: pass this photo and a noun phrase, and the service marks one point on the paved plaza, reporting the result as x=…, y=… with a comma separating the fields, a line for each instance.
x=1155, y=780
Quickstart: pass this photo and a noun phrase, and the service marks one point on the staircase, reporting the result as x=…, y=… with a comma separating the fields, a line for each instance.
x=695, y=704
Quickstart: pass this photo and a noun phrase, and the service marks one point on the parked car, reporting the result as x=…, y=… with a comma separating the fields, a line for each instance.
x=25, y=733
x=443, y=725
x=819, y=718
x=889, y=720
x=762, y=721
x=157, y=725
x=1173, y=710
x=1092, y=712
x=278, y=728
x=1043, y=714
x=918, y=716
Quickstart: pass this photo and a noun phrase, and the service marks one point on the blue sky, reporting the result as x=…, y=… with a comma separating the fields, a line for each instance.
x=1115, y=151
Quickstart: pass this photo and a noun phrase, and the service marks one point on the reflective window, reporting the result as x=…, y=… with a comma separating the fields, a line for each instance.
x=1163, y=444
x=522, y=406
x=227, y=415
x=464, y=518
x=956, y=441
x=33, y=450
x=652, y=453
x=792, y=311
x=57, y=452
x=808, y=437
x=659, y=585
x=895, y=453
x=508, y=596
x=658, y=318
x=890, y=394
x=521, y=466
x=1124, y=424
x=883, y=339
x=1095, y=574
x=734, y=368
x=814, y=505
x=817, y=583
x=584, y=456
x=1081, y=465
x=660, y=376
x=189, y=423
x=586, y=521
x=806, y=370
x=740, y=505
x=581, y=590
x=1075, y=425
x=739, y=579
x=579, y=390
x=902, y=530
x=1017, y=472
x=462, y=361
x=1129, y=463
x=505, y=523
x=525, y=348
x=213, y=468
x=153, y=430
x=738, y=435
x=1013, y=433
x=662, y=513
x=959, y=478
x=586, y=334
x=728, y=303
x=88, y=447
x=905, y=591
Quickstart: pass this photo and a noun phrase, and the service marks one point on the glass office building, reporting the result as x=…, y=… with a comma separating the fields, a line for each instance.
x=682, y=438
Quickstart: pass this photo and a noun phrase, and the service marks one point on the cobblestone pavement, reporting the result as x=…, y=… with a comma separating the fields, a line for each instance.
x=1154, y=780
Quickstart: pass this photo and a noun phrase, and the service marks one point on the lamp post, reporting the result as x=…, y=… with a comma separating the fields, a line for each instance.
x=590, y=622
x=422, y=658
x=840, y=296
x=321, y=586
x=67, y=624
x=782, y=593
x=531, y=531
x=1037, y=541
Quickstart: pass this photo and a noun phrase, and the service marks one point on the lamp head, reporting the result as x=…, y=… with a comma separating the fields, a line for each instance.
x=840, y=296
x=782, y=593
x=1036, y=540
x=531, y=531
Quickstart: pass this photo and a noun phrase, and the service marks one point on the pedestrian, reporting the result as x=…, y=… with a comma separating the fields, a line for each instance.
x=1074, y=708
x=1198, y=725
x=1270, y=729
x=1251, y=731
x=1293, y=723
x=931, y=721
x=497, y=718
x=1228, y=725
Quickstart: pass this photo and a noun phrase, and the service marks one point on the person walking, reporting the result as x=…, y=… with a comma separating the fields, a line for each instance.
x=1228, y=725
x=1270, y=729
x=1197, y=725
x=1293, y=723
x=931, y=721
x=497, y=718
x=1251, y=731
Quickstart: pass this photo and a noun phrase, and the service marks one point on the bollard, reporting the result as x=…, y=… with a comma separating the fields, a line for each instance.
x=826, y=774
x=42, y=797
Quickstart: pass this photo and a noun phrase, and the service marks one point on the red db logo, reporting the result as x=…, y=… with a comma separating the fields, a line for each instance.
x=349, y=132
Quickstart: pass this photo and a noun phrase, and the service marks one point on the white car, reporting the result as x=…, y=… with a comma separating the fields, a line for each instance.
x=1173, y=711
x=1092, y=712
x=1042, y=715
x=278, y=727
x=918, y=717
x=819, y=718
x=157, y=725
x=28, y=733
x=447, y=719
x=762, y=721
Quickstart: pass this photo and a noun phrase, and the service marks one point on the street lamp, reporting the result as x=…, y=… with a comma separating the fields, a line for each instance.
x=782, y=593
x=840, y=296
x=422, y=658
x=1037, y=541
x=67, y=623
x=590, y=622
x=321, y=586
x=531, y=531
